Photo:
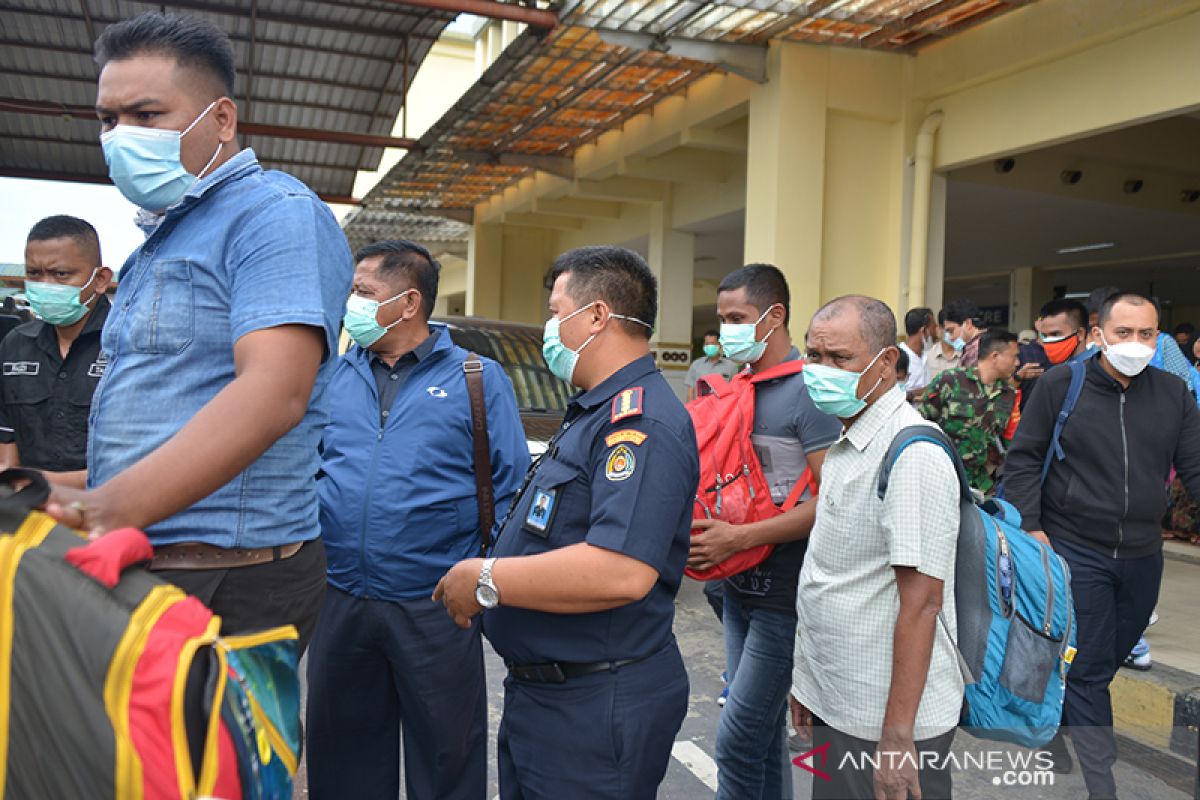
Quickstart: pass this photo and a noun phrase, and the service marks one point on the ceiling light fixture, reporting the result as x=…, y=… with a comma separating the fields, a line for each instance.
x=1083, y=248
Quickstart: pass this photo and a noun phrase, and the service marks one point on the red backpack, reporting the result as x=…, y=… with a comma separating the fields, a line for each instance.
x=732, y=486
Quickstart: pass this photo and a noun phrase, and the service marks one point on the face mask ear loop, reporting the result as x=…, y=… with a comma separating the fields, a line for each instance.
x=217, y=152
x=867, y=367
x=95, y=272
x=760, y=319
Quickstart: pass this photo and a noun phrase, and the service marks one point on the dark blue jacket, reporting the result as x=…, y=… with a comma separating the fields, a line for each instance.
x=398, y=505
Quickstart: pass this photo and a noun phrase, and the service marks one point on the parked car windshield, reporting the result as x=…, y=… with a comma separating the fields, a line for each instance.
x=517, y=348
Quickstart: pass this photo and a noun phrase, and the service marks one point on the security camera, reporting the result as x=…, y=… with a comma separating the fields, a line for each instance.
x=1189, y=195
x=1133, y=185
x=1003, y=165
x=1070, y=176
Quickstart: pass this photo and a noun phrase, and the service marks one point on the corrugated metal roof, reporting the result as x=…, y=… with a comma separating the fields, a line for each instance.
x=882, y=24
x=364, y=226
x=544, y=96
x=334, y=66
x=547, y=95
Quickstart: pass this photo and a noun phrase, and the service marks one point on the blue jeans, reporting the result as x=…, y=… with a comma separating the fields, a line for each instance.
x=752, y=756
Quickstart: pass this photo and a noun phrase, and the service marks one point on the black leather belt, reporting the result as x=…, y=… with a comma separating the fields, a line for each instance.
x=561, y=671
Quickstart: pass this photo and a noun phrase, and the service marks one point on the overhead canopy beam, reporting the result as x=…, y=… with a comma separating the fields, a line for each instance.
x=747, y=60
x=83, y=177
x=533, y=17
x=249, y=128
x=562, y=166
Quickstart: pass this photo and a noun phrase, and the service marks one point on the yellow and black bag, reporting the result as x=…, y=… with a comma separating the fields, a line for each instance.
x=116, y=684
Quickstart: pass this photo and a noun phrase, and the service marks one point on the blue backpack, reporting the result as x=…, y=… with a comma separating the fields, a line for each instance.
x=1016, y=618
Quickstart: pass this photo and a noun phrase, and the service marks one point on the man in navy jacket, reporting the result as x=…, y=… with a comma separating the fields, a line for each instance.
x=398, y=509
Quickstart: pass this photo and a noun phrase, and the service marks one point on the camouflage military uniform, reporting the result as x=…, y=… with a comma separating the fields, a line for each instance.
x=975, y=417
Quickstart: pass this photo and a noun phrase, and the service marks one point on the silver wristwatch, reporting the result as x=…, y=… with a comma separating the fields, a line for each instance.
x=486, y=593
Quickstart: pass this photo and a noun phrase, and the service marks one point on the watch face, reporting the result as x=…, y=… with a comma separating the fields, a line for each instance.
x=486, y=596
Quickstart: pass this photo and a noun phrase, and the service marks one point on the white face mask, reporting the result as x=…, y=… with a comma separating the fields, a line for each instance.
x=1127, y=358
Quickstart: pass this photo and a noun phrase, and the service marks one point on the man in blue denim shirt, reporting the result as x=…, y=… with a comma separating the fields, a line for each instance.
x=221, y=340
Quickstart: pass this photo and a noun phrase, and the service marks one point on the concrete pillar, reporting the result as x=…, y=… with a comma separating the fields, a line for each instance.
x=1021, y=303
x=672, y=256
x=785, y=177
x=484, y=253
x=527, y=255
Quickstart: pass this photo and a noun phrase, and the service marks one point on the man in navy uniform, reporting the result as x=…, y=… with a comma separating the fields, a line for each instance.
x=581, y=586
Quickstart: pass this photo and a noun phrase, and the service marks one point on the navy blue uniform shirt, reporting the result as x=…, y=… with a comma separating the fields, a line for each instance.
x=620, y=474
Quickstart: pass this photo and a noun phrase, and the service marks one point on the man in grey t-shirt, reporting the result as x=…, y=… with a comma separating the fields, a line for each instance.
x=790, y=436
x=711, y=362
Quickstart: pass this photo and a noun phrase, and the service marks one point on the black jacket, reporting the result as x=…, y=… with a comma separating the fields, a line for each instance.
x=1109, y=493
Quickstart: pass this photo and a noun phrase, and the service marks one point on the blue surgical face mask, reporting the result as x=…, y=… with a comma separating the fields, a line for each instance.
x=835, y=391
x=57, y=304
x=958, y=344
x=360, y=319
x=144, y=163
x=740, y=341
x=559, y=358
x=712, y=350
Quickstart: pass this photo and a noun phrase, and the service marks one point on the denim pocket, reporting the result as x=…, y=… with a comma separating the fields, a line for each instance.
x=161, y=319
x=1029, y=658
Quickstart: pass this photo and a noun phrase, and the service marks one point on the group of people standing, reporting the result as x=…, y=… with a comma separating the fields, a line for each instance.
x=384, y=503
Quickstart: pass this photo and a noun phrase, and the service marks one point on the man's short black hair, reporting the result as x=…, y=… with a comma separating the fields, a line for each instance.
x=916, y=319
x=764, y=284
x=62, y=226
x=961, y=310
x=1076, y=310
x=619, y=277
x=711, y=332
x=1186, y=328
x=1132, y=298
x=901, y=361
x=877, y=323
x=995, y=340
x=941, y=317
x=194, y=43
x=402, y=258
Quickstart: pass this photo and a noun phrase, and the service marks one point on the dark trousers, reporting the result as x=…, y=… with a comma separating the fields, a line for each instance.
x=714, y=593
x=1114, y=598
x=606, y=735
x=286, y=592
x=852, y=775
x=382, y=673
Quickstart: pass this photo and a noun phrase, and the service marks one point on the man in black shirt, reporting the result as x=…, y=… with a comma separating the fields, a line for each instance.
x=51, y=365
x=1101, y=502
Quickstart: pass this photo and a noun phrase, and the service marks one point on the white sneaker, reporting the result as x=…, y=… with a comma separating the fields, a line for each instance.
x=1153, y=617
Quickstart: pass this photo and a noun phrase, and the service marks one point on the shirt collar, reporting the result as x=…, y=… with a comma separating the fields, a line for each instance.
x=863, y=430
x=437, y=341
x=242, y=163
x=626, y=375
x=420, y=352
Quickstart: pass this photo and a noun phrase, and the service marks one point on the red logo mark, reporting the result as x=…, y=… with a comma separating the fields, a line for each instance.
x=823, y=752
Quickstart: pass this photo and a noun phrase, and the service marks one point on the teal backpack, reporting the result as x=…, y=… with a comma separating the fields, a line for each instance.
x=1016, y=618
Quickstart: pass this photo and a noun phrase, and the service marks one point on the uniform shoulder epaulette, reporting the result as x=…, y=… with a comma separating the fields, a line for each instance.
x=627, y=404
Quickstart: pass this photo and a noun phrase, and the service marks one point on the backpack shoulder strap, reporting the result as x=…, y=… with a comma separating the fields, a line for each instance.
x=921, y=433
x=778, y=371
x=473, y=369
x=1074, y=389
x=716, y=384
